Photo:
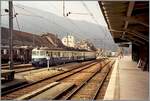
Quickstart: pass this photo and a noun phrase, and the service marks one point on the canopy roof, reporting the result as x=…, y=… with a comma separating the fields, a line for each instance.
x=128, y=21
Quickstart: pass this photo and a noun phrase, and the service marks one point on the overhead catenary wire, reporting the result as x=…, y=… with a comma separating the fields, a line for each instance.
x=70, y=21
x=92, y=16
x=16, y=19
x=35, y=14
x=76, y=27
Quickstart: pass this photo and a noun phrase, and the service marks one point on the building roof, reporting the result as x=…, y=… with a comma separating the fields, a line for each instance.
x=28, y=39
x=128, y=21
x=54, y=40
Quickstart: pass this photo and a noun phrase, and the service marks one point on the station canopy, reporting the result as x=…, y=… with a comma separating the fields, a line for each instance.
x=128, y=21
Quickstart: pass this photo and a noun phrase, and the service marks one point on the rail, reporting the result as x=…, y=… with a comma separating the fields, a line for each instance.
x=5, y=93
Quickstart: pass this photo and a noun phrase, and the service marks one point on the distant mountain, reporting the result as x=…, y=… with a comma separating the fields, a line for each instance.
x=37, y=21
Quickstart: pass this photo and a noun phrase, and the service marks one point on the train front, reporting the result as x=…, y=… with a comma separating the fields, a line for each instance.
x=39, y=58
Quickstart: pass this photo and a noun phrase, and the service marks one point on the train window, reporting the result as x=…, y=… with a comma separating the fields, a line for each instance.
x=58, y=54
x=55, y=54
x=33, y=52
x=62, y=54
x=42, y=52
x=47, y=54
x=37, y=52
x=65, y=55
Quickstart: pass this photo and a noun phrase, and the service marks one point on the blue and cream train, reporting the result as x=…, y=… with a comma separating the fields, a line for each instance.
x=59, y=56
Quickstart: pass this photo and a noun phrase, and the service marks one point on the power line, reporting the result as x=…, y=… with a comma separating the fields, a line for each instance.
x=35, y=15
x=76, y=26
x=16, y=19
x=70, y=21
x=92, y=16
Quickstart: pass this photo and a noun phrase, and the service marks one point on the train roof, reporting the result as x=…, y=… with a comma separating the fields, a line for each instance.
x=61, y=49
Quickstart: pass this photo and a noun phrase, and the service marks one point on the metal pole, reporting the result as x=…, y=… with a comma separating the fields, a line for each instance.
x=11, y=34
x=48, y=63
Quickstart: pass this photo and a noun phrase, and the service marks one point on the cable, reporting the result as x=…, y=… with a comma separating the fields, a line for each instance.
x=44, y=18
x=76, y=27
x=16, y=19
x=70, y=21
x=35, y=15
x=92, y=16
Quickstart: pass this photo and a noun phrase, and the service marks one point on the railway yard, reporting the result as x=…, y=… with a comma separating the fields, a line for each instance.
x=68, y=81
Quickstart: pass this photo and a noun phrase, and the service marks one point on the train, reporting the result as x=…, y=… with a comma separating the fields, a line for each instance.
x=42, y=56
x=21, y=54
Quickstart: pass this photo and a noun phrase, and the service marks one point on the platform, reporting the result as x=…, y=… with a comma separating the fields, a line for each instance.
x=127, y=82
x=11, y=84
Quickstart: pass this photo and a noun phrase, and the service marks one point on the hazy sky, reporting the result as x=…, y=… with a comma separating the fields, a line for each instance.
x=56, y=7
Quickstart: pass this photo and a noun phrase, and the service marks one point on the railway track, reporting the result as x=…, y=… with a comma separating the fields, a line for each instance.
x=6, y=64
x=89, y=88
x=16, y=66
x=27, y=67
x=20, y=68
x=76, y=92
x=14, y=93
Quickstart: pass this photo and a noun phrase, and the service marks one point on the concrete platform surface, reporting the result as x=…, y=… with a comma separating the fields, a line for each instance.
x=127, y=82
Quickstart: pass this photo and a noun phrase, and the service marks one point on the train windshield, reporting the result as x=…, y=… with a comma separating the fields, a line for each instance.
x=33, y=52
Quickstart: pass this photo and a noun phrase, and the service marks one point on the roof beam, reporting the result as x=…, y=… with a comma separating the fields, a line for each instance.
x=133, y=33
x=114, y=30
x=135, y=39
x=138, y=34
x=132, y=19
x=137, y=20
x=129, y=12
